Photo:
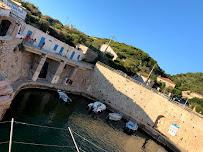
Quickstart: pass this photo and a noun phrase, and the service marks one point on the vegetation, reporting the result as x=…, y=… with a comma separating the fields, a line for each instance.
x=189, y=81
x=196, y=103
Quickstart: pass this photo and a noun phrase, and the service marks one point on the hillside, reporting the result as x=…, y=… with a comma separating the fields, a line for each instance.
x=189, y=81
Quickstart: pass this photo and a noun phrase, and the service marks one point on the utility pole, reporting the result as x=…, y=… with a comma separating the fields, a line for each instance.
x=108, y=44
x=150, y=74
x=11, y=135
x=186, y=103
x=66, y=21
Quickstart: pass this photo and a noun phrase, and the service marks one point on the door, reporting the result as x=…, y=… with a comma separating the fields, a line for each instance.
x=41, y=42
x=71, y=57
x=29, y=32
x=43, y=72
x=60, y=52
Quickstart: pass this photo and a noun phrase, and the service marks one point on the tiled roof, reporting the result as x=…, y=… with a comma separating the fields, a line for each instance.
x=167, y=79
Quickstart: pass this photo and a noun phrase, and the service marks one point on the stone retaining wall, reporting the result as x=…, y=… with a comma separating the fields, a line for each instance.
x=146, y=106
x=15, y=63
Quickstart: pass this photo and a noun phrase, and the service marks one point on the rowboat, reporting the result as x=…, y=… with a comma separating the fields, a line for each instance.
x=115, y=116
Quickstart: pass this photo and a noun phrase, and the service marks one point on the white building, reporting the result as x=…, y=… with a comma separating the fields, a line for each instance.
x=109, y=49
x=17, y=12
x=4, y=9
x=52, y=44
x=14, y=14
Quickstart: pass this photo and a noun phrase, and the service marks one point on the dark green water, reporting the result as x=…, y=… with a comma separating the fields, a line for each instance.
x=44, y=108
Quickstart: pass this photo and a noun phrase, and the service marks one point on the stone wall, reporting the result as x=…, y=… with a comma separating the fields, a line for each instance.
x=82, y=78
x=146, y=106
x=90, y=56
x=14, y=63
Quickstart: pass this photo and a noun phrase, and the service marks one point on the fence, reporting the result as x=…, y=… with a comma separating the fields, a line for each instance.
x=49, y=145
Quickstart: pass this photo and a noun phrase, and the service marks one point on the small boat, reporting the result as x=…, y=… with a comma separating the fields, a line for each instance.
x=115, y=116
x=130, y=127
x=64, y=96
x=96, y=107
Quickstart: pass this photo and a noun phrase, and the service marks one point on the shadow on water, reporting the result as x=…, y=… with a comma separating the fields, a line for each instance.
x=45, y=108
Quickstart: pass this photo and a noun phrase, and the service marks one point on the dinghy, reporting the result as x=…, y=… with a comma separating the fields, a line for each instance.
x=115, y=116
x=130, y=127
x=64, y=96
x=96, y=107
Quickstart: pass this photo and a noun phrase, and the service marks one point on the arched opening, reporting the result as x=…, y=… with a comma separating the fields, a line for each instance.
x=4, y=26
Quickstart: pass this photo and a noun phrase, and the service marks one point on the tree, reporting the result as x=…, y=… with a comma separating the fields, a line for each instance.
x=177, y=93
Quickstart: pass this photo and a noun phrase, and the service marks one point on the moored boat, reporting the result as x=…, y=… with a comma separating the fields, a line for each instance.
x=64, y=96
x=96, y=107
x=115, y=116
x=130, y=127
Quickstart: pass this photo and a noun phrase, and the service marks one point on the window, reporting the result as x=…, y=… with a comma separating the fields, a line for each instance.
x=78, y=57
x=67, y=50
x=55, y=47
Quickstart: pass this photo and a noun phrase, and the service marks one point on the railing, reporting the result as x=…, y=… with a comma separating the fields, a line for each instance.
x=46, y=51
x=151, y=89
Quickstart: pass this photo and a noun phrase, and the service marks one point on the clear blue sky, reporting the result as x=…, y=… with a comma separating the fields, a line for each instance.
x=170, y=31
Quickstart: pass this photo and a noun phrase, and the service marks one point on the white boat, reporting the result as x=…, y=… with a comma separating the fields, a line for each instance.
x=130, y=127
x=115, y=116
x=64, y=96
x=96, y=107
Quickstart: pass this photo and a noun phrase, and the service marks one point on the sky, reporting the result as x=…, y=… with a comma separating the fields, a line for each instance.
x=170, y=31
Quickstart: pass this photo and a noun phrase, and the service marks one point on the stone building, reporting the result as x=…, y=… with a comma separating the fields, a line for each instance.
x=167, y=81
x=4, y=9
x=89, y=55
x=189, y=95
x=109, y=49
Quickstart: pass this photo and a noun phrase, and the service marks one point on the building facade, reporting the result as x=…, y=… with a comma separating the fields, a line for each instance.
x=109, y=49
x=52, y=44
x=189, y=95
x=167, y=81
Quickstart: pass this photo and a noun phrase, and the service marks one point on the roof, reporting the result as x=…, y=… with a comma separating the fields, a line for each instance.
x=2, y=5
x=167, y=79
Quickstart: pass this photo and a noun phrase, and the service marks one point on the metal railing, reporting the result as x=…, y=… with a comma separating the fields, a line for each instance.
x=151, y=89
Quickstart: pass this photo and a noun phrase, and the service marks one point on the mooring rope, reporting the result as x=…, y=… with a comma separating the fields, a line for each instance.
x=46, y=145
x=29, y=124
x=5, y=142
x=3, y=122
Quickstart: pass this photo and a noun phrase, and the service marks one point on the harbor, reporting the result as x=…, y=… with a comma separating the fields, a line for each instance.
x=44, y=108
